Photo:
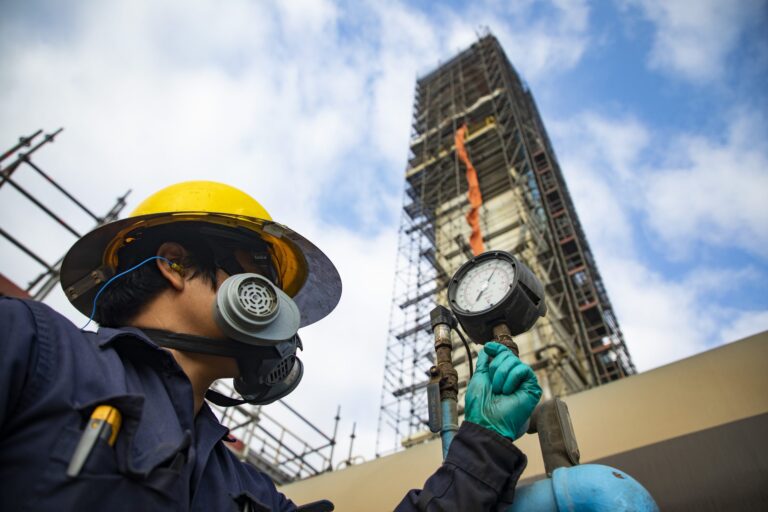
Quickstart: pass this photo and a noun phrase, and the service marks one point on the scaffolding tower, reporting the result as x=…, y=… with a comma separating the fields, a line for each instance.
x=477, y=100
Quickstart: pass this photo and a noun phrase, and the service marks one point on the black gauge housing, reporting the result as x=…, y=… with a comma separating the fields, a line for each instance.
x=519, y=309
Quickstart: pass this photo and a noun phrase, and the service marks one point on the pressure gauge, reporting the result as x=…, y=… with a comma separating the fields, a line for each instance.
x=495, y=288
x=485, y=284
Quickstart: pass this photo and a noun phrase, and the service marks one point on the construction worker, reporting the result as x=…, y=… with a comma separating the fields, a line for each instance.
x=197, y=284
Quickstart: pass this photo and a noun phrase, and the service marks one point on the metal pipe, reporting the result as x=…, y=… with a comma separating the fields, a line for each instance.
x=503, y=335
x=450, y=417
x=116, y=209
x=309, y=423
x=351, y=444
x=23, y=141
x=333, y=438
x=23, y=157
x=591, y=487
x=61, y=189
x=53, y=270
x=28, y=251
x=41, y=206
x=51, y=278
x=280, y=443
x=449, y=386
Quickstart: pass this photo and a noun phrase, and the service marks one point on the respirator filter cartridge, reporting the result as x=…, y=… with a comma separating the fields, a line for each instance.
x=250, y=309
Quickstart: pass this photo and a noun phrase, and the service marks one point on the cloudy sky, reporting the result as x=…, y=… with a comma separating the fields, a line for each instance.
x=656, y=108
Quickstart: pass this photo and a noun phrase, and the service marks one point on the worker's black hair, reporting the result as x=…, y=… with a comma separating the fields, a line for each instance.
x=124, y=298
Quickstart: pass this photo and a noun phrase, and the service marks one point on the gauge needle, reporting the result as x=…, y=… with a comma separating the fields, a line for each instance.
x=485, y=285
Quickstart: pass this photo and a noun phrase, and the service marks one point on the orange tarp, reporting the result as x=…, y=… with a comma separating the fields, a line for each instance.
x=473, y=194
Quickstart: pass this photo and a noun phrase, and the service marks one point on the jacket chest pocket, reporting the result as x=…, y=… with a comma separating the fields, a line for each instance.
x=100, y=484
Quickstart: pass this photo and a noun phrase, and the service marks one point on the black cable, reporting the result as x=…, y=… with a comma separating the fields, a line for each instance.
x=469, y=353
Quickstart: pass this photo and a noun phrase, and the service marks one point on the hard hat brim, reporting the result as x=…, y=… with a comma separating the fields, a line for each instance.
x=314, y=282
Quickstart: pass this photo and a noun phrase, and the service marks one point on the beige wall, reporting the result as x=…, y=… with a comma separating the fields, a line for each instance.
x=717, y=387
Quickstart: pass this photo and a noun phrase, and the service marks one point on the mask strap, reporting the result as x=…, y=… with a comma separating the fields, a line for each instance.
x=222, y=400
x=201, y=344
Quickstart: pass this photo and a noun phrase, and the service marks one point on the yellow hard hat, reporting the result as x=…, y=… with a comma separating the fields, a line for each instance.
x=305, y=273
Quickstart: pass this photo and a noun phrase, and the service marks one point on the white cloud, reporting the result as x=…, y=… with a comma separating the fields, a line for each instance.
x=745, y=324
x=540, y=39
x=695, y=38
x=667, y=319
x=714, y=192
x=660, y=318
x=692, y=189
x=542, y=45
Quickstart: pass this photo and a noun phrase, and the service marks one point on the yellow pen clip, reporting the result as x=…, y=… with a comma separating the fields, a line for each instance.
x=104, y=423
x=111, y=416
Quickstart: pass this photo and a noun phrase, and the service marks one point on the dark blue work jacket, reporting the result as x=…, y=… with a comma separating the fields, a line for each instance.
x=52, y=377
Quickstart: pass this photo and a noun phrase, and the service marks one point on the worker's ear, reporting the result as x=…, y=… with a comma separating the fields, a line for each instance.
x=173, y=271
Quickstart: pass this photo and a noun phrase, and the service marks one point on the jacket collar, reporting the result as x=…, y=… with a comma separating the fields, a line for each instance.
x=144, y=452
x=107, y=335
x=142, y=348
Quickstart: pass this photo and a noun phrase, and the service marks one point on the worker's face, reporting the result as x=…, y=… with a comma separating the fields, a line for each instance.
x=196, y=302
x=203, y=296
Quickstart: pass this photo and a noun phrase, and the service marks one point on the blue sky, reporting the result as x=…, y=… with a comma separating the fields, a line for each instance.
x=656, y=109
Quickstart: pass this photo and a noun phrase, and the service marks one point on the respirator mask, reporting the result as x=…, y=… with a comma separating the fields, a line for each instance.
x=252, y=311
x=261, y=323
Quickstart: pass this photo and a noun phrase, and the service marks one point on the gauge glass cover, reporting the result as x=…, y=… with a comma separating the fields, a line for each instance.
x=485, y=285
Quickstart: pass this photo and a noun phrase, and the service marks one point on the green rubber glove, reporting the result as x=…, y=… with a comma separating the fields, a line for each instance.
x=503, y=393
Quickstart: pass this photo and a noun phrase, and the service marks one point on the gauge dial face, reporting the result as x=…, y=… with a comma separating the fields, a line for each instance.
x=484, y=285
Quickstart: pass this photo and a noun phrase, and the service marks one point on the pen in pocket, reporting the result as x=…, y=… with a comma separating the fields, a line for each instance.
x=104, y=424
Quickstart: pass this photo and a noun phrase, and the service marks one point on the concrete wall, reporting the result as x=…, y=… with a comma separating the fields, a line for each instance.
x=664, y=424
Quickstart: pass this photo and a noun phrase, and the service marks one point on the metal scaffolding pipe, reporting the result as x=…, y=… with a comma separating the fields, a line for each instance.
x=8, y=171
x=25, y=249
x=23, y=142
x=41, y=206
x=61, y=189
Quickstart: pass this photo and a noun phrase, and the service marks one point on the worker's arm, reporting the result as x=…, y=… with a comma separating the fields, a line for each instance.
x=18, y=333
x=483, y=464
